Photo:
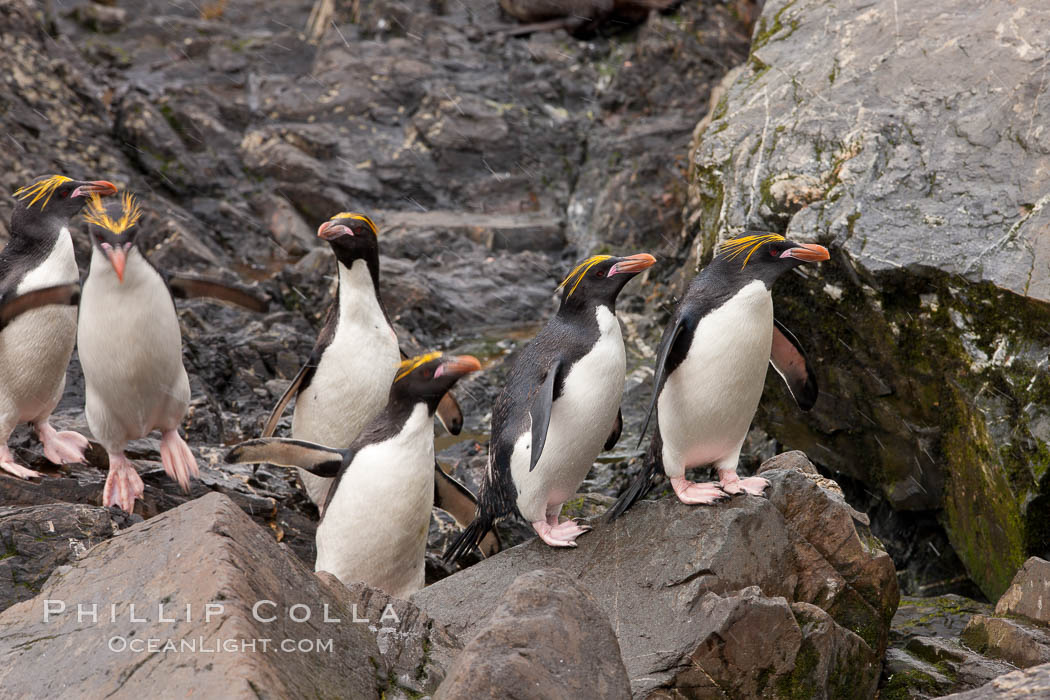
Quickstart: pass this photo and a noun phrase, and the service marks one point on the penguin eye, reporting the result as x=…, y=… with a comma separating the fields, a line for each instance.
x=599, y=273
x=774, y=252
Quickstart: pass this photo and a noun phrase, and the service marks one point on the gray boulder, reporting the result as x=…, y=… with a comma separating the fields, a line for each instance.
x=202, y=600
x=1029, y=592
x=1031, y=683
x=673, y=579
x=848, y=125
x=1013, y=641
x=549, y=638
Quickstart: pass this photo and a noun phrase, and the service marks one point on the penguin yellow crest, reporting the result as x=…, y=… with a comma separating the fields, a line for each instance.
x=735, y=247
x=129, y=215
x=356, y=217
x=580, y=271
x=43, y=189
x=411, y=364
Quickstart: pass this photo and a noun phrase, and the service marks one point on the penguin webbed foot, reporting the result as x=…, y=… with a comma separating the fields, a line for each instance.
x=66, y=447
x=732, y=484
x=178, y=460
x=9, y=465
x=560, y=535
x=692, y=493
x=123, y=484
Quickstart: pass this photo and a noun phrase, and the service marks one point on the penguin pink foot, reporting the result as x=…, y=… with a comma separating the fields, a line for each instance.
x=561, y=535
x=732, y=484
x=9, y=465
x=66, y=447
x=178, y=460
x=123, y=484
x=694, y=494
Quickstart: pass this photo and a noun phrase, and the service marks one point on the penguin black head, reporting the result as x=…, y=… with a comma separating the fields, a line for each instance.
x=429, y=377
x=599, y=279
x=352, y=237
x=765, y=256
x=112, y=228
x=54, y=199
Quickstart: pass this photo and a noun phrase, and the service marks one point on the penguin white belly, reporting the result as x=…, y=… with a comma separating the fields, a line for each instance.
x=352, y=381
x=375, y=526
x=581, y=419
x=131, y=352
x=708, y=401
x=35, y=348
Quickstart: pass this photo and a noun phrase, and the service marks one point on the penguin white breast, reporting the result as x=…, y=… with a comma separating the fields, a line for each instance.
x=708, y=401
x=375, y=526
x=352, y=381
x=581, y=419
x=131, y=352
x=35, y=348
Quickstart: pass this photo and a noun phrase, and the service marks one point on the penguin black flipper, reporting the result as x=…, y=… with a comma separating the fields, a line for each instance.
x=305, y=375
x=62, y=294
x=671, y=353
x=287, y=452
x=641, y=484
x=455, y=499
x=188, y=287
x=497, y=500
x=282, y=403
x=614, y=436
x=540, y=411
x=789, y=360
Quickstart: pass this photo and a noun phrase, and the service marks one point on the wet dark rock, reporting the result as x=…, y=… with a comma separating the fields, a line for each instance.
x=929, y=667
x=581, y=18
x=951, y=644
x=548, y=638
x=417, y=649
x=100, y=18
x=269, y=496
x=651, y=570
x=156, y=148
x=927, y=564
x=963, y=666
x=35, y=540
x=819, y=137
x=1030, y=683
x=941, y=616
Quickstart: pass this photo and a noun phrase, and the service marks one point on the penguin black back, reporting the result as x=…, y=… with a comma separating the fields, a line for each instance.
x=585, y=326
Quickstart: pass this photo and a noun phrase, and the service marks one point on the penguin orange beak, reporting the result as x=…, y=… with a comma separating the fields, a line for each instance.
x=633, y=264
x=807, y=252
x=330, y=230
x=457, y=366
x=105, y=188
x=118, y=259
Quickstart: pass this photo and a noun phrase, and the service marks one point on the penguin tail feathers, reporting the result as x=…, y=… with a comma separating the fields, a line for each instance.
x=316, y=459
x=640, y=485
x=467, y=540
